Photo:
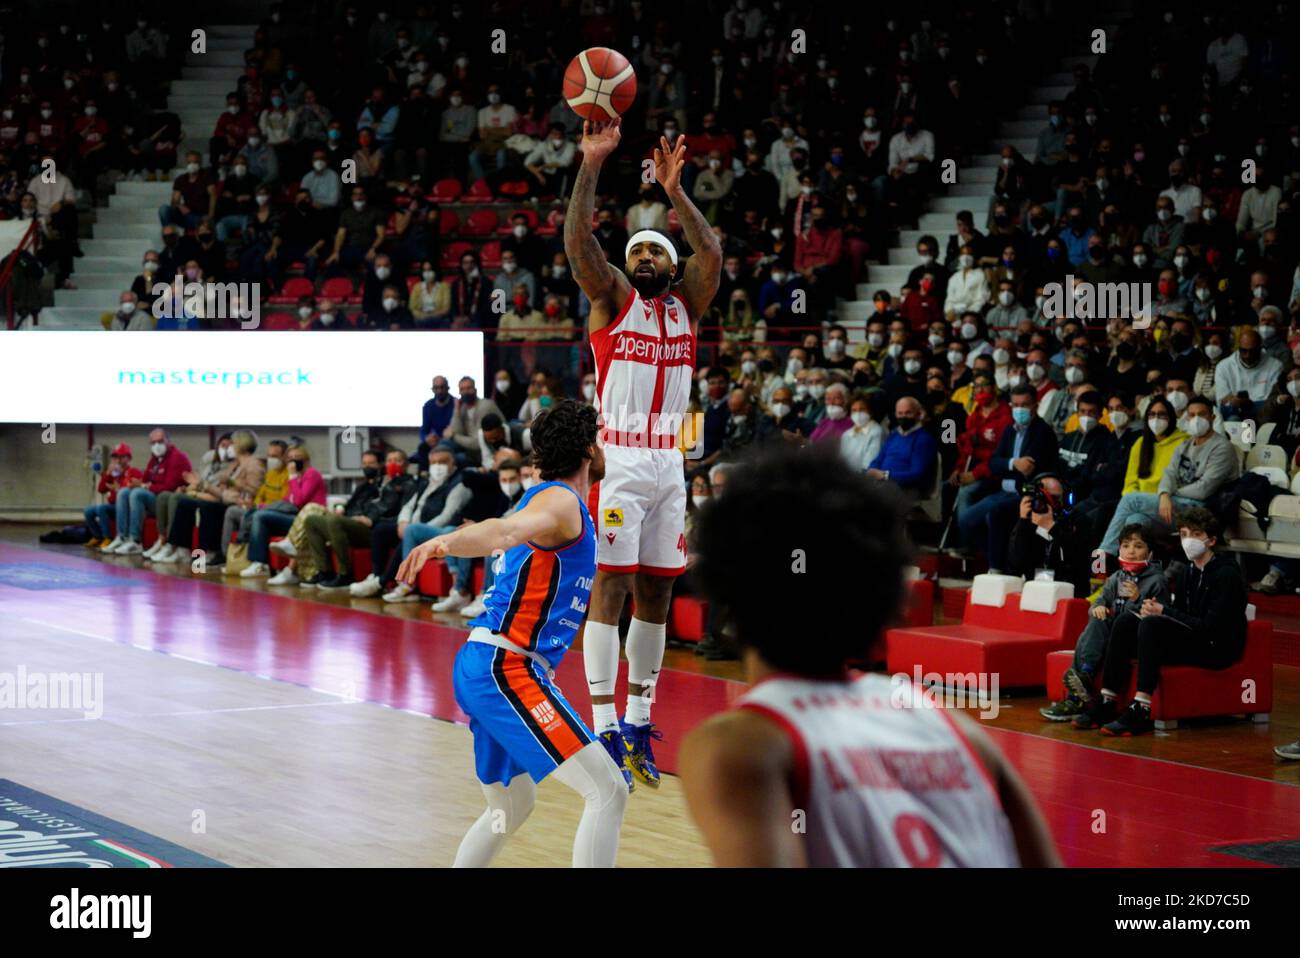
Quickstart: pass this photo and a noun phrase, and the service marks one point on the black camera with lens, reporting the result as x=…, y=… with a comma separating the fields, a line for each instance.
x=1044, y=501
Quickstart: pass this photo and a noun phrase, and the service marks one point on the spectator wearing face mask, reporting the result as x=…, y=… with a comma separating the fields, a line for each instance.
x=785, y=422
x=1089, y=449
x=985, y=423
x=1006, y=314
x=119, y=473
x=968, y=286
x=430, y=301
x=1027, y=447
x=463, y=432
x=1248, y=370
x=910, y=380
x=129, y=315
x=456, y=127
x=1283, y=410
x=359, y=235
x=323, y=183
x=194, y=196
x=435, y=507
x=907, y=455
x=1272, y=328
x=836, y=349
x=231, y=131
x=777, y=295
x=1165, y=235
x=921, y=306
x=338, y=532
x=1259, y=205
x=1057, y=406
x=207, y=499
x=835, y=420
x=1199, y=468
x=860, y=444
x=263, y=164
x=511, y=277
x=392, y=313
x=138, y=498
x=306, y=485
x=212, y=465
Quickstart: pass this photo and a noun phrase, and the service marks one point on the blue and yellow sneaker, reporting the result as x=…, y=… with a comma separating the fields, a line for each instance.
x=618, y=749
x=640, y=755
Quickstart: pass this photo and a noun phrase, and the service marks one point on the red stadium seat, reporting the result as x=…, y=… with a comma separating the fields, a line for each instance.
x=687, y=617
x=278, y=559
x=411, y=282
x=528, y=213
x=1186, y=691
x=513, y=188
x=549, y=228
x=360, y=559
x=280, y=322
x=445, y=191
x=292, y=290
x=434, y=579
x=490, y=254
x=479, y=192
x=149, y=534
x=989, y=639
x=338, y=289
x=481, y=223
x=448, y=222
x=452, y=252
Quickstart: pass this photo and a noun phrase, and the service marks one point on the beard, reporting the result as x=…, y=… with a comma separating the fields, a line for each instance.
x=649, y=286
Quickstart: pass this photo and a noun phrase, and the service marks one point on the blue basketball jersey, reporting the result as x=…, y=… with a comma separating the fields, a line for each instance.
x=540, y=595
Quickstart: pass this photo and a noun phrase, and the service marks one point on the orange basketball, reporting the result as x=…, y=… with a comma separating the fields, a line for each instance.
x=599, y=84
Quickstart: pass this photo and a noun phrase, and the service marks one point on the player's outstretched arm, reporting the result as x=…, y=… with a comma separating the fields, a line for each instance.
x=604, y=285
x=735, y=771
x=704, y=266
x=1033, y=838
x=551, y=517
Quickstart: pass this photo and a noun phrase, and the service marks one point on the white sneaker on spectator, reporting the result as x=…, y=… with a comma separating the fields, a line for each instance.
x=285, y=576
x=112, y=546
x=254, y=570
x=367, y=587
x=129, y=547
x=453, y=603
x=153, y=550
x=474, y=608
x=403, y=593
x=285, y=548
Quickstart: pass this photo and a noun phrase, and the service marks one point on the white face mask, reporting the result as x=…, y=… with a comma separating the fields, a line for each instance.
x=956, y=357
x=968, y=330
x=192, y=168
x=1204, y=294
x=503, y=385
x=150, y=265
x=438, y=472
x=1001, y=357
x=428, y=275
x=1073, y=375
x=1194, y=548
x=254, y=141
x=861, y=419
x=1266, y=333
x=835, y=412
x=817, y=390
x=274, y=463
x=158, y=448
x=1180, y=261
x=912, y=367
x=1293, y=387
x=589, y=391
x=1158, y=425
x=318, y=165
x=748, y=367
x=1213, y=351
x=1139, y=260
x=510, y=488
x=509, y=267
x=304, y=311
x=455, y=101
x=326, y=319
x=1006, y=297
x=1118, y=418
x=1086, y=423
x=390, y=303
x=780, y=410
x=935, y=340
x=1035, y=372
x=126, y=309
x=382, y=272
x=875, y=340
x=895, y=350
x=1178, y=399
x=358, y=205
x=528, y=482
x=966, y=262
x=1197, y=426
x=1015, y=380
x=1260, y=292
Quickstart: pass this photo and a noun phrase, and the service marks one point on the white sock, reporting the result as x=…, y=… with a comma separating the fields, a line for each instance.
x=604, y=716
x=593, y=775
x=508, y=807
x=645, y=657
x=600, y=657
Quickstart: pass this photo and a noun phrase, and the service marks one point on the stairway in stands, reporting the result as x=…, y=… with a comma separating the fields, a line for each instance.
x=129, y=225
x=971, y=192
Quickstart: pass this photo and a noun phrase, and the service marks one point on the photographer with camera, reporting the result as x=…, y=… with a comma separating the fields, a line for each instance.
x=1048, y=536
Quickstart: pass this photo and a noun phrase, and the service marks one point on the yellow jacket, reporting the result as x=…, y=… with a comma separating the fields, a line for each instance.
x=1164, y=455
x=275, y=486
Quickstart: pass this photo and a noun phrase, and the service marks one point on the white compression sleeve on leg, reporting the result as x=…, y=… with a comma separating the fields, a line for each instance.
x=508, y=808
x=592, y=774
x=600, y=657
x=645, y=657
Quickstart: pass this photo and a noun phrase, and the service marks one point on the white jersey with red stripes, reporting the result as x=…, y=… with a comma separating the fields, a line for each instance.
x=884, y=778
x=645, y=371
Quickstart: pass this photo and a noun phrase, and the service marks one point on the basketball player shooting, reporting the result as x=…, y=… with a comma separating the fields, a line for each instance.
x=817, y=766
x=643, y=330
x=524, y=729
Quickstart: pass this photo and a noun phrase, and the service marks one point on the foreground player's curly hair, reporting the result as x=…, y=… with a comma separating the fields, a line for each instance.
x=561, y=436
x=803, y=558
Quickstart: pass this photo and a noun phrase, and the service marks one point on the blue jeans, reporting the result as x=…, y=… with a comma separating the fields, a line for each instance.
x=987, y=522
x=170, y=215
x=1139, y=507
x=132, y=506
x=97, y=520
x=418, y=532
x=266, y=523
x=227, y=224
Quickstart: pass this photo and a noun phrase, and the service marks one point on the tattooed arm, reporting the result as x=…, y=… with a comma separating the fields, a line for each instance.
x=704, y=265
x=605, y=285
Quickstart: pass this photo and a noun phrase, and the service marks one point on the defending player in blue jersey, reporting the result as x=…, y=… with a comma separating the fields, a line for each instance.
x=524, y=729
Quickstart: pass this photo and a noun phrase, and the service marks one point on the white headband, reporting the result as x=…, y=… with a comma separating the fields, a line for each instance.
x=651, y=236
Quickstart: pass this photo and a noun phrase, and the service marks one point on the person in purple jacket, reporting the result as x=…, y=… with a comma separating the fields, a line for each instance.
x=836, y=421
x=907, y=457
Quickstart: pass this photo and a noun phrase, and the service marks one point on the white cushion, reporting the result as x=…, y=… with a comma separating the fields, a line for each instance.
x=1042, y=596
x=1295, y=484
x=911, y=573
x=1274, y=475
x=1250, y=611
x=989, y=589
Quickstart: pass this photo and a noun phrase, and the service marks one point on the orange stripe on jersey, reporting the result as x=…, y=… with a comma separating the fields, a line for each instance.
x=544, y=717
x=531, y=603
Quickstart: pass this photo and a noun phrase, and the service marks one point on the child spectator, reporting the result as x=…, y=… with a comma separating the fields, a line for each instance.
x=119, y=473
